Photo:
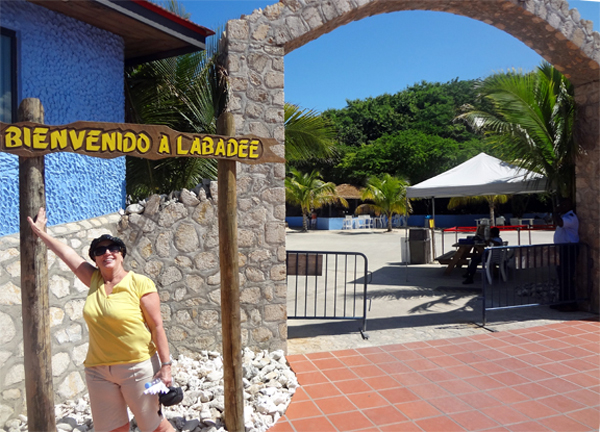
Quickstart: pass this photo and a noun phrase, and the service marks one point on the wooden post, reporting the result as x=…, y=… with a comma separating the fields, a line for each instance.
x=230, y=286
x=34, y=286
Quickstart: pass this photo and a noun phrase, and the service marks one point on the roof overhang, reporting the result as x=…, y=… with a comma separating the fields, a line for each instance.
x=149, y=31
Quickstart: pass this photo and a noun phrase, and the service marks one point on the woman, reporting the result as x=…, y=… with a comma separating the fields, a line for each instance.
x=127, y=338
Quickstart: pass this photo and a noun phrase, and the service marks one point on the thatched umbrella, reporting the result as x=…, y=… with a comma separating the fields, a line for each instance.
x=349, y=192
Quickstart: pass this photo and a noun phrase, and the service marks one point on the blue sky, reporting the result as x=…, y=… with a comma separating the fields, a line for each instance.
x=387, y=53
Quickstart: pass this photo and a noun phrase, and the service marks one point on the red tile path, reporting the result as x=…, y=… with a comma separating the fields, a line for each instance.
x=543, y=378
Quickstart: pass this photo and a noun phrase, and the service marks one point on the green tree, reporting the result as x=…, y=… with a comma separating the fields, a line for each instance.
x=492, y=200
x=310, y=192
x=409, y=154
x=388, y=195
x=531, y=123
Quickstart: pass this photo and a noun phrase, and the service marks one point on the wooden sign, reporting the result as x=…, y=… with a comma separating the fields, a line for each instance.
x=110, y=140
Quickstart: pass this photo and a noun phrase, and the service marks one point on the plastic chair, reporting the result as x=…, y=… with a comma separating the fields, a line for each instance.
x=515, y=221
x=501, y=257
x=364, y=221
x=347, y=224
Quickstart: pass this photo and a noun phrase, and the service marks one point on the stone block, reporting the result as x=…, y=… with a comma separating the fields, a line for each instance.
x=163, y=244
x=60, y=363
x=188, y=198
x=14, y=269
x=57, y=316
x=170, y=276
x=262, y=334
x=250, y=295
x=237, y=29
x=153, y=268
x=186, y=238
x=171, y=214
x=74, y=309
x=71, y=386
x=278, y=272
x=254, y=275
x=8, y=327
x=79, y=353
x=275, y=232
x=275, y=312
x=10, y=294
x=208, y=319
x=14, y=375
x=152, y=205
x=59, y=286
x=261, y=32
x=206, y=261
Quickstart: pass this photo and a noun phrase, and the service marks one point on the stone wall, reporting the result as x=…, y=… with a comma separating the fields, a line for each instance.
x=68, y=329
x=176, y=243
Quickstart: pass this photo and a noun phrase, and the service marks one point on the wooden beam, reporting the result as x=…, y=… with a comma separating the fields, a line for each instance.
x=230, y=286
x=34, y=286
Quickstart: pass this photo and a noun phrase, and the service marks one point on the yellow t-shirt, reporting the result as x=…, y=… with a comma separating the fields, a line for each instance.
x=118, y=331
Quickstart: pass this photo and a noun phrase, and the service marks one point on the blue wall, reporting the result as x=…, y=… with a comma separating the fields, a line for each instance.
x=76, y=70
x=441, y=221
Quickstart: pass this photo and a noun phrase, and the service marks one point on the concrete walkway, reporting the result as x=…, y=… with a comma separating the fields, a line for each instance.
x=427, y=365
x=409, y=303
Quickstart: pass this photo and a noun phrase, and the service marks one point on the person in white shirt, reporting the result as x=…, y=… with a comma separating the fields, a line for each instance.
x=566, y=237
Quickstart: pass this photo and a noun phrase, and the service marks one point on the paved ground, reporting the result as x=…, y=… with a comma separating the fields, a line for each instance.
x=409, y=303
x=428, y=367
x=543, y=378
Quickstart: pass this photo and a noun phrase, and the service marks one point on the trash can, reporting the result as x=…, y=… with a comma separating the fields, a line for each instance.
x=420, y=249
x=405, y=250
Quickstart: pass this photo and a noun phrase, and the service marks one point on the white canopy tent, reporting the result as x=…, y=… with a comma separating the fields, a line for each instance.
x=480, y=175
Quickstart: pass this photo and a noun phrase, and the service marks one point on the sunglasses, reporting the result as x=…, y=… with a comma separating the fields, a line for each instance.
x=101, y=250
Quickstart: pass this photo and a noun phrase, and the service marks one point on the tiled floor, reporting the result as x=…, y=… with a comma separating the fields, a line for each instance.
x=536, y=379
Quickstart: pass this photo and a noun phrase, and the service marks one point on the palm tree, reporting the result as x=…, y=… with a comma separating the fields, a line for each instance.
x=310, y=192
x=492, y=200
x=308, y=135
x=532, y=123
x=186, y=93
x=388, y=194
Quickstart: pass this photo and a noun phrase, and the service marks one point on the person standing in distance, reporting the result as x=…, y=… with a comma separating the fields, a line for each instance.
x=128, y=345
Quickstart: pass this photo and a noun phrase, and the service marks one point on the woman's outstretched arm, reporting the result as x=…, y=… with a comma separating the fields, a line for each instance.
x=82, y=269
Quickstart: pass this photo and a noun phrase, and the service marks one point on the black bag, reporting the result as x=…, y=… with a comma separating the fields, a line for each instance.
x=173, y=397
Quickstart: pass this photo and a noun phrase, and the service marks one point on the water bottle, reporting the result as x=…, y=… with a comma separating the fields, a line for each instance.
x=155, y=386
x=152, y=383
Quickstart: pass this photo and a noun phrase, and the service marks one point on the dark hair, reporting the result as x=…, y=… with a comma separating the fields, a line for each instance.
x=495, y=232
x=107, y=237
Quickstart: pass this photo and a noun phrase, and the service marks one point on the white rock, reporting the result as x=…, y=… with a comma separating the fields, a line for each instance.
x=204, y=401
x=134, y=208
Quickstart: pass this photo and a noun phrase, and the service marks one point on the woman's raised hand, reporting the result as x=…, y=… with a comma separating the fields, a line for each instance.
x=40, y=221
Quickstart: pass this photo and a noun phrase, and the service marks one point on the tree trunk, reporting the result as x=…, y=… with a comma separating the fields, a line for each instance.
x=389, y=222
x=304, y=222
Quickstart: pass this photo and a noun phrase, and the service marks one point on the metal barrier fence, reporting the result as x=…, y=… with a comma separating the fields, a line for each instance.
x=328, y=285
x=535, y=275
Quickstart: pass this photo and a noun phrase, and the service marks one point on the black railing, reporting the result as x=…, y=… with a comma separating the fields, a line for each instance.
x=557, y=275
x=328, y=285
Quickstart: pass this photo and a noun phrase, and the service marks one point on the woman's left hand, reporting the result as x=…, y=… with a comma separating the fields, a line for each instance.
x=164, y=373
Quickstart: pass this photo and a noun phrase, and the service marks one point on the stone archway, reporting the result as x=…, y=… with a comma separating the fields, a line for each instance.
x=257, y=43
